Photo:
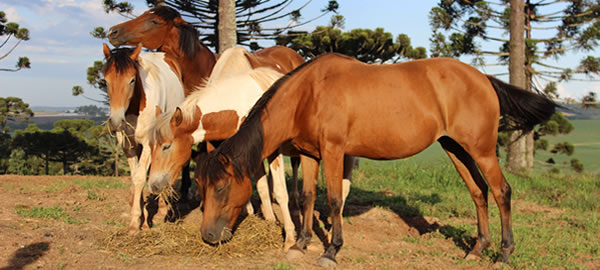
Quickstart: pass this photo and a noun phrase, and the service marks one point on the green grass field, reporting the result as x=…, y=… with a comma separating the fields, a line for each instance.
x=585, y=137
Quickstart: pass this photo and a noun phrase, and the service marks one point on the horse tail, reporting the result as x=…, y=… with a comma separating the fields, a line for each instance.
x=521, y=109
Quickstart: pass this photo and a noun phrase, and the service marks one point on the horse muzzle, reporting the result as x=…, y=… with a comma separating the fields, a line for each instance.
x=115, y=36
x=115, y=124
x=216, y=236
x=157, y=181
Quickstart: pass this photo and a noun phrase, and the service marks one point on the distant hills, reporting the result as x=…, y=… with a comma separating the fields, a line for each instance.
x=51, y=108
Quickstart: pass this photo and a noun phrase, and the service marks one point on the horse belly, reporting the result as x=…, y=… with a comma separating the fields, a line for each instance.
x=392, y=137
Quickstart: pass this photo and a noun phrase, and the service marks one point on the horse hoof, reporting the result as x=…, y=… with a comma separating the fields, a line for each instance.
x=287, y=246
x=326, y=262
x=133, y=230
x=294, y=253
x=472, y=257
x=500, y=265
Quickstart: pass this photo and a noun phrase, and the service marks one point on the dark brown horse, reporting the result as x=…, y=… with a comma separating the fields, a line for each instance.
x=336, y=105
x=163, y=28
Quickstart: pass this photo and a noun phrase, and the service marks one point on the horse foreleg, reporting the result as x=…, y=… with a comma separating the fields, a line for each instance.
x=281, y=195
x=346, y=182
x=294, y=195
x=333, y=166
x=310, y=172
x=138, y=211
x=262, y=187
x=132, y=161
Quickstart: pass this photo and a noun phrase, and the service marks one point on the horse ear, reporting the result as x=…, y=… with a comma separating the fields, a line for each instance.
x=177, y=118
x=136, y=52
x=179, y=21
x=158, y=110
x=223, y=159
x=106, y=50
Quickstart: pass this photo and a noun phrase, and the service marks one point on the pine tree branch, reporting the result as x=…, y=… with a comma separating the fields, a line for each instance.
x=7, y=38
x=11, y=50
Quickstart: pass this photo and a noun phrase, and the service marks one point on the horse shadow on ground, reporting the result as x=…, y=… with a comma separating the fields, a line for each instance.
x=27, y=255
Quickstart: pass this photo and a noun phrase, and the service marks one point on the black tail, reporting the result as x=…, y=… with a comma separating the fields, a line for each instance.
x=521, y=109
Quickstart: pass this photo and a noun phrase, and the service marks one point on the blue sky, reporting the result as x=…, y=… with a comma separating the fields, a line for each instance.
x=61, y=49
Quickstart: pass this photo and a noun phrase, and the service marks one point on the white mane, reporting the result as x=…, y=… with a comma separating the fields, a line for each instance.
x=162, y=88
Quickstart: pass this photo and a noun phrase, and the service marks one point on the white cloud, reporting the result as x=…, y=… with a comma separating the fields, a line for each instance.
x=12, y=15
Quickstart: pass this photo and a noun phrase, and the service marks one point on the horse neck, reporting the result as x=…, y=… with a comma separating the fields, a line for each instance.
x=278, y=119
x=162, y=86
x=194, y=70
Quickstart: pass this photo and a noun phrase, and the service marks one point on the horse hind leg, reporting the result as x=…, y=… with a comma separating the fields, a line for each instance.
x=488, y=163
x=466, y=167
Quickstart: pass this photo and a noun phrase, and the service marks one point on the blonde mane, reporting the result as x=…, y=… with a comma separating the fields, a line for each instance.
x=213, y=96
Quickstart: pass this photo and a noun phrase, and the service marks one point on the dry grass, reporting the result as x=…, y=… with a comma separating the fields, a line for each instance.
x=253, y=236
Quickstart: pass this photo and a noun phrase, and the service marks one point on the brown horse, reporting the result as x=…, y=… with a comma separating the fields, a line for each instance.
x=163, y=28
x=336, y=105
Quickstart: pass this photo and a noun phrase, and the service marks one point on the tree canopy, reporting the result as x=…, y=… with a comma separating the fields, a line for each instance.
x=365, y=44
x=9, y=30
x=459, y=27
x=13, y=109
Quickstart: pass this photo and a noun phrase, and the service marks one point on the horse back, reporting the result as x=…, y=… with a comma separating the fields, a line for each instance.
x=404, y=107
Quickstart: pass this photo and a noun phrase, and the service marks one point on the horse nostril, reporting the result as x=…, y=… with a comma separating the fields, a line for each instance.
x=113, y=32
x=155, y=188
x=210, y=237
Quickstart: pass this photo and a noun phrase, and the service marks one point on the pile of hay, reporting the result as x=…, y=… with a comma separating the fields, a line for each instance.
x=253, y=236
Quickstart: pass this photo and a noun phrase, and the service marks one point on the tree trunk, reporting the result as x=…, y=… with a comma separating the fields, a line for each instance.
x=529, y=142
x=117, y=163
x=46, y=159
x=227, y=25
x=65, y=166
x=516, y=149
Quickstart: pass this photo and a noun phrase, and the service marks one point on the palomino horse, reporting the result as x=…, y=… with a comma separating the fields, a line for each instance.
x=336, y=105
x=137, y=85
x=163, y=28
x=214, y=113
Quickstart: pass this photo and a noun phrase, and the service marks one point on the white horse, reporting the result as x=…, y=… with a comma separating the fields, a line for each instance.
x=137, y=86
x=215, y=113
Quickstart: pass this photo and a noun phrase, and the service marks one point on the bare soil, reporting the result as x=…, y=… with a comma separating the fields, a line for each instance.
x=374, y=238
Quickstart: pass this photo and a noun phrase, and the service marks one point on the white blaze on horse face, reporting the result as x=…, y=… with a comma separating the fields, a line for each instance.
x=117, y=116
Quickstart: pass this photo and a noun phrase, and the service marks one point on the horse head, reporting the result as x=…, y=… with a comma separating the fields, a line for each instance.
x=120, y=73
x=224, y=193
x=152, y=28
x=171, y=143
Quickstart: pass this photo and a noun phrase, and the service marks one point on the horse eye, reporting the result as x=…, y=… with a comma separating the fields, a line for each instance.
x=154, y=22
x=132, y=80
x=219, y=188
x=166, y=147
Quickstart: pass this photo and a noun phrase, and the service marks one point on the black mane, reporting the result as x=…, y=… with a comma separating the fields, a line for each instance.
x=244, y=149
x=189, y=41
x=120, y=58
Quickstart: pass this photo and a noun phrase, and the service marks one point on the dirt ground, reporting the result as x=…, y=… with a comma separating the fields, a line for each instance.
x=374, y=238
